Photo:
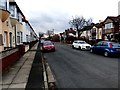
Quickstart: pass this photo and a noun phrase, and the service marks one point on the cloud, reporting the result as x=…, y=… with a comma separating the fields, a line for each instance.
x=55, y=14
x=43, y=21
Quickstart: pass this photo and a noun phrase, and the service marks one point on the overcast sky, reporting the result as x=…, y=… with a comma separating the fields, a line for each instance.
x=46, y=15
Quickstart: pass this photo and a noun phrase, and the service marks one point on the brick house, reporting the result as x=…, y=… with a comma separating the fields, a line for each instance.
x=111, y=29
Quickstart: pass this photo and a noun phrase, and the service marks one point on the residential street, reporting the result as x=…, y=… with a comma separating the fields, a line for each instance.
x=81, y=69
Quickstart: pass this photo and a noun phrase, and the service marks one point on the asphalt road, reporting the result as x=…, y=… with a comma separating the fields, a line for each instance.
x=81, y=69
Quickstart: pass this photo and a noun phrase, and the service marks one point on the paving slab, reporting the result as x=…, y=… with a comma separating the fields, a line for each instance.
x=18, y=85
x=4, y=87
x=20, y=78
x=8, y=80
x=18, y=74
x=13, y=70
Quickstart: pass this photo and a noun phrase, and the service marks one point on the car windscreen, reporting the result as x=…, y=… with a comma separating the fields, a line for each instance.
x=82, y=42
x=47, y=43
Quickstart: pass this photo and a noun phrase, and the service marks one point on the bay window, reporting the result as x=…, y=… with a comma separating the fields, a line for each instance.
x=108, y=25
x=3, y=4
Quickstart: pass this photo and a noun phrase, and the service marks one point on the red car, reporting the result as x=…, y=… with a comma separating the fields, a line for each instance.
x=48, y=46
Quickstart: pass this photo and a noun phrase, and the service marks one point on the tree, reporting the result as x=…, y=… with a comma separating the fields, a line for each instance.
x=79, y=23
x=41, y=34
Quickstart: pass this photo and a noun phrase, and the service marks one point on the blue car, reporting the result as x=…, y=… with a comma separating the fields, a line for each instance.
x=106, y=48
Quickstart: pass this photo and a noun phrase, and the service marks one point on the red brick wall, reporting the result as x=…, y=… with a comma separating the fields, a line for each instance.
x=10, y=56
x=9, y=60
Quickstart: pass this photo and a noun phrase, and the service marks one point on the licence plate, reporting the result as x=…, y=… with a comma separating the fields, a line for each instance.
x=49, y=49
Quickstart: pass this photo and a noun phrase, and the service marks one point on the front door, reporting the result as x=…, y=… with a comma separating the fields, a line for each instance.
x=10, y=39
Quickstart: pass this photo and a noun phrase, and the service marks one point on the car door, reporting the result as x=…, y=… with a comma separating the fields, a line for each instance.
x=104, y=47
x=75, y=44
x=97, y=47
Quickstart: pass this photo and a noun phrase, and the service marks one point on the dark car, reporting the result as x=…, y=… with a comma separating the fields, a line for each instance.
x=106, y=48
x=48, y=46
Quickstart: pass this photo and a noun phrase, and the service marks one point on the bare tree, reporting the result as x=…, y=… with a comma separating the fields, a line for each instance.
x=79, y=23
x=41, y=34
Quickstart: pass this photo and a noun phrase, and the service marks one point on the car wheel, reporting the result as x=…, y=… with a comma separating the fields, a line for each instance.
x=79, y=48
x=73, y=47
x=91, y=50
x=53, y=50
x=106, y=54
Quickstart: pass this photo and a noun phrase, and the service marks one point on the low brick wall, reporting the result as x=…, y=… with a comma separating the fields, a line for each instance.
x=8, y=57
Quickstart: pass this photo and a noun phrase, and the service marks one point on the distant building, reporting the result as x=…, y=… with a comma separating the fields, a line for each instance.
x=14, y=28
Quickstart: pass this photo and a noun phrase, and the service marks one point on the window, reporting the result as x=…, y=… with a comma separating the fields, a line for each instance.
x=5, y=39
x=12, y=11
x=82, y=42
x=3, y=4
x=75, y=42
x=18, y=37
x=99, y=44
x=108, y=25
x=27, y=38
x=19, y=16
x=94, y=30
x=105, y=44
x=21, y=36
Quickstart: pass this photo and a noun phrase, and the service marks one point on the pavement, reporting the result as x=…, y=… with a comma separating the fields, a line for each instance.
x=26, y=73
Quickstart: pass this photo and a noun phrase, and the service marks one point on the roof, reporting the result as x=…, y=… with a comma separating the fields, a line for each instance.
x=99, y=25
x=87, y=28
x=113, y=18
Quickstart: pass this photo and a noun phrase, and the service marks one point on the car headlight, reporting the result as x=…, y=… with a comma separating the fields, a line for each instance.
x=83, y=46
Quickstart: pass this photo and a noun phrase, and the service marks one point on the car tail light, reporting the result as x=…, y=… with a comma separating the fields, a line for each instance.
x=111, y=45
x=44, y=46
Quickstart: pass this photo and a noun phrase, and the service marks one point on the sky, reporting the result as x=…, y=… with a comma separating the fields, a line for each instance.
x=46, y=15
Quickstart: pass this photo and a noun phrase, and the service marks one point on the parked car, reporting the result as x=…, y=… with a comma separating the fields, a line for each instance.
x=48, y=46
x=106, y=48
x=80, y=44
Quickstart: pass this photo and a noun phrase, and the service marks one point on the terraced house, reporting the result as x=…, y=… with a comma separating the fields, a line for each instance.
x=93, y=31
x=15, y=29
x=16, y=33
x=109, y=29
